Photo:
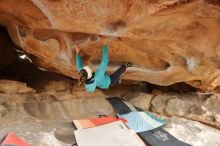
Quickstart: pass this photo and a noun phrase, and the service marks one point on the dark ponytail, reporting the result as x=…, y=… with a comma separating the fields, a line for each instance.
x=82, y=77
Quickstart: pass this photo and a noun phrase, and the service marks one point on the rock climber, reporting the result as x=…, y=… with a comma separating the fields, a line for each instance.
x=99, y=78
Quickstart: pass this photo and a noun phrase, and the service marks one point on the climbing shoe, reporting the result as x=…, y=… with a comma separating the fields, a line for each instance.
x=128, y=64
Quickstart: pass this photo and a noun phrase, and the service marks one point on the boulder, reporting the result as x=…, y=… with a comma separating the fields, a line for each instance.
x=193, y=132
x=177, y=107
x=58, y=86
x=167, y=41
x=14, y=87
x=212, y=106
x=158, y=103
x=141, y=100
x=198, y=107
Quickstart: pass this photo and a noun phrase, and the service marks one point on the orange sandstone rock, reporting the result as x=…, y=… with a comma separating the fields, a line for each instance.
x=168, y=41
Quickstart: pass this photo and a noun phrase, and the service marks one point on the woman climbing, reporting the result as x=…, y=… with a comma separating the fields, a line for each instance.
x=99, y=78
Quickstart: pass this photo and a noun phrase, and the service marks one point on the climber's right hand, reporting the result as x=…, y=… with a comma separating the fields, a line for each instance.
x=104, y=40
x=76, y=47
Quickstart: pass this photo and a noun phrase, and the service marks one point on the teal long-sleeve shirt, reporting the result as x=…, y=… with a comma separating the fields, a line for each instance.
x=100, y=79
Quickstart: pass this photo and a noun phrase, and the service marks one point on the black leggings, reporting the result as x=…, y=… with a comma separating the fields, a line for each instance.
x=116, y=75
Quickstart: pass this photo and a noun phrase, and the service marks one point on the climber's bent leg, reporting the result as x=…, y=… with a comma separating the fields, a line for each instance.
x=116, y=75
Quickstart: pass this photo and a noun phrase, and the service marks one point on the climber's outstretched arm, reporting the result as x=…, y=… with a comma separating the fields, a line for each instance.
x=104, y=62
x=78, y=58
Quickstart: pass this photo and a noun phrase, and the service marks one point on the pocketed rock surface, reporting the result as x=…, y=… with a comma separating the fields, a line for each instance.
x=168, y=41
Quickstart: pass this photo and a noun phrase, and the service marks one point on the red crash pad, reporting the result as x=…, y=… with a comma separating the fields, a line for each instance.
x=13, y=140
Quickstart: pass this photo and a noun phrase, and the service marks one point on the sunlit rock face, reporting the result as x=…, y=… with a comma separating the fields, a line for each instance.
x=168, y=41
